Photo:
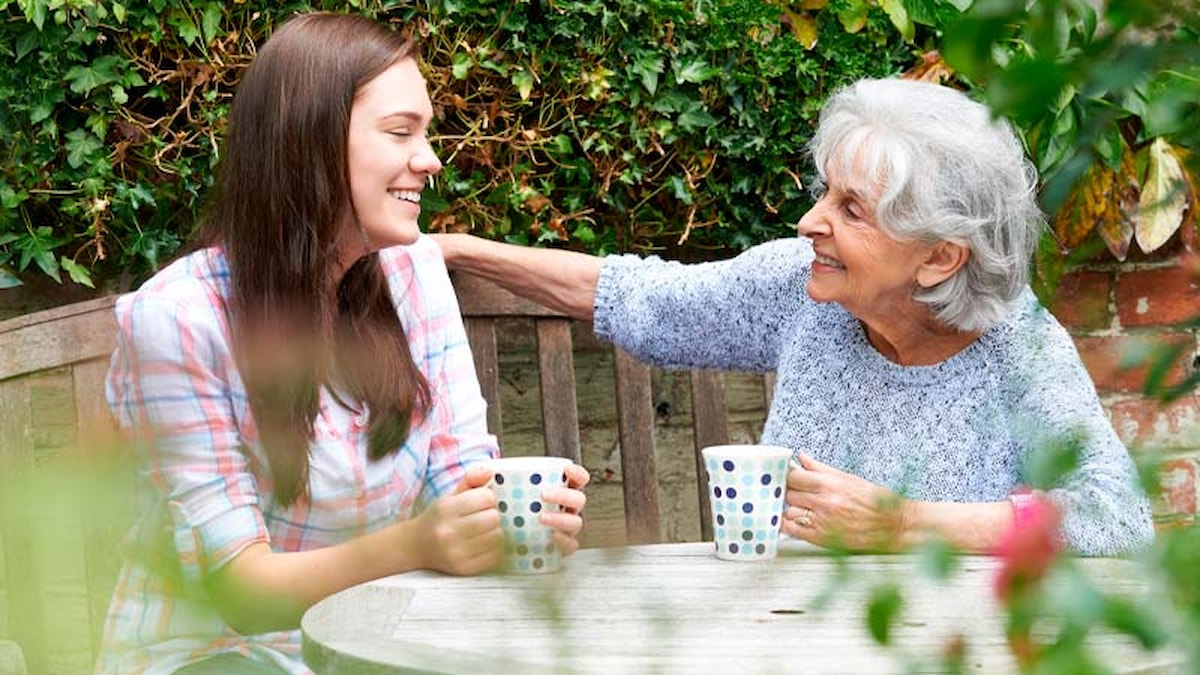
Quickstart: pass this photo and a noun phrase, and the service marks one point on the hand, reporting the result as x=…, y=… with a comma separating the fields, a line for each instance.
x=830, y=507
x=462, y=530
x=568, y=522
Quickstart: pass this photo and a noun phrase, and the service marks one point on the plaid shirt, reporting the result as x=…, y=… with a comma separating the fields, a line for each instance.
x=173, y=382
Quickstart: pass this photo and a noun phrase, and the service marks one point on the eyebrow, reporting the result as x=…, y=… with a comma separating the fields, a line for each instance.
x=403, y=115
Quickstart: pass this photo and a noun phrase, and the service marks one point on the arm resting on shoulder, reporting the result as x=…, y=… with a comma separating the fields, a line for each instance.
x=564, y=281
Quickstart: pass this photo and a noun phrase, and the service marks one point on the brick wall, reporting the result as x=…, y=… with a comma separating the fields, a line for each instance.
x=1119, y=313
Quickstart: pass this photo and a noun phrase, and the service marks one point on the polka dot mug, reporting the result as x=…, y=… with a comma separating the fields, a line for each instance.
x=746, y=486
x=518, y=483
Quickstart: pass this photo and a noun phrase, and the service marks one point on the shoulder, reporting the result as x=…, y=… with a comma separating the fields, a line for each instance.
x=1038, y=352
x=421, y=256
x=182, y=309
x=197, y=283
x=418, y=279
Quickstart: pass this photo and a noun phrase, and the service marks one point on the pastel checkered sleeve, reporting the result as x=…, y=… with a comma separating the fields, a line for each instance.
x=169, y=383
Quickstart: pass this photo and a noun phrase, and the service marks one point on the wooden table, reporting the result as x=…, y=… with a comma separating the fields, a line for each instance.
x=676, y=608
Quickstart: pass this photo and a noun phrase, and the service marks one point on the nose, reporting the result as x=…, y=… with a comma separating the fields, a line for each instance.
x=425, y=161
x=813, y=223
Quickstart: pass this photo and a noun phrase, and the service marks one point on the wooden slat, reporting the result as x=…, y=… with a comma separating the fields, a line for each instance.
x=17, y=517
x=768, y=390
x=481, y=333
x=711, y=427
x=556, y=372
x=635, y=421
x=57, y=337
x=479, y=297
x=109, y=460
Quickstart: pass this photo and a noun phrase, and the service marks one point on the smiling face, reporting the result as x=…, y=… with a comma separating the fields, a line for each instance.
x=857, y=264
x=388, y=159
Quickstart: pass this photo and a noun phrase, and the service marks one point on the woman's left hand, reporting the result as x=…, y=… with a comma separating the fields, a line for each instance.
x=830, y=507
x=567, y=522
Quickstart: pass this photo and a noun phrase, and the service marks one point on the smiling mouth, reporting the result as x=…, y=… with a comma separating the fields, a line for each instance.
x=406, y=195
x=828, y=262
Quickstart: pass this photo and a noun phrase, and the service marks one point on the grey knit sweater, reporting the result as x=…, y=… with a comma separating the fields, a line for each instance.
x=957, y=431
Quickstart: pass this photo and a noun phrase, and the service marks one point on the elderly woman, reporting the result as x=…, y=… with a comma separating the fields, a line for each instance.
x=917, y=374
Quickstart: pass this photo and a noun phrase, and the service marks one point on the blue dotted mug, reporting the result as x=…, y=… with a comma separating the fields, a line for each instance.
x=746, y=487
x=518, y=483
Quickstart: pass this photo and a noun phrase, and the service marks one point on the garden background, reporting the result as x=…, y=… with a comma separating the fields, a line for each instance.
x=667, y=127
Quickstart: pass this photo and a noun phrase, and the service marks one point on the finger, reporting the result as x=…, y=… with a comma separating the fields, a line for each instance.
x=577, y=476
x=475, y=476
x=470, y=500
x=571, y=500
x=811, y=464
x=567, y=523
x=566, y=545
x=479, y=562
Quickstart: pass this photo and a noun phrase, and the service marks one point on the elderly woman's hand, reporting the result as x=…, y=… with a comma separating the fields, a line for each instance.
x=568, y=522
x=830, y=507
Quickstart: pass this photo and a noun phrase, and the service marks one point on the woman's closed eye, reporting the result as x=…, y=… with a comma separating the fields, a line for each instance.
x=852, y=209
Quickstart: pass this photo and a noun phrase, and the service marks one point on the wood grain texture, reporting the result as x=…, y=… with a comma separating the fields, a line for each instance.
x=676, y=608
x=711, y=427
x=481, y=333
x=22, y=579
x=635, y=423
x=57, y=337
x=556, y=375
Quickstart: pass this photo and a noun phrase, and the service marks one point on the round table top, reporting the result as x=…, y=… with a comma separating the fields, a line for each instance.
x=676, y=608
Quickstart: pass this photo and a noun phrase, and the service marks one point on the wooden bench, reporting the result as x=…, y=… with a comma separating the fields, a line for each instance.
x=59, y=551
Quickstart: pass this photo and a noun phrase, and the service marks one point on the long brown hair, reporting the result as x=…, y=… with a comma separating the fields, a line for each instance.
x=281, y=200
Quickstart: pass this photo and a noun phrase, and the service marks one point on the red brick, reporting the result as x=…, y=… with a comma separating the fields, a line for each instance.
x=1159, y=297
x=1143, y=421
x=1178, y=483
x=1081, y=300
x=1118, y=364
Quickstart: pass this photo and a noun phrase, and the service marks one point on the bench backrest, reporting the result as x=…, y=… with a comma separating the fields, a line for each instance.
x=52, y=367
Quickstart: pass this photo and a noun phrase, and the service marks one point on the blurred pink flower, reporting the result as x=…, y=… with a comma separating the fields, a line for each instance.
x=1029, y=547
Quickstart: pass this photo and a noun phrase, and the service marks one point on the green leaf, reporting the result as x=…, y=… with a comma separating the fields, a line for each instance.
x=854, y=16
x=188, y=30
x=210, y=22
x=696, y=72
x=695, y=118
x=523, y=80
x=460, y=65
x=118, y=11
x=103, y=70
x=882, y=610
x=8, y=279
x=80, y=145
x=936, y=558
x=899, y=17
x=48, y=264
x=78, y=273
x=679, y=188
x=10, y=199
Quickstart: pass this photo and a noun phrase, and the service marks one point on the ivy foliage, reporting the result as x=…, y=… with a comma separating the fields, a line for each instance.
x=610, y=126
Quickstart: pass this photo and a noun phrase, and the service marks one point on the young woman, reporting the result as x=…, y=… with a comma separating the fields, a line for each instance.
x=301, y=384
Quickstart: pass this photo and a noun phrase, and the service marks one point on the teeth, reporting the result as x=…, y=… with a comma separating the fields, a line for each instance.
x=827, y=261
x=406, y=196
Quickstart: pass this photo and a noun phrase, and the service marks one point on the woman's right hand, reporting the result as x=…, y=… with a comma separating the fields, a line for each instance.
x=462, y=534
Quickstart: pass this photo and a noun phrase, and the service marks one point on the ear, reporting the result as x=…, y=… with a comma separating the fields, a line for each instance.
x=943, y=260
